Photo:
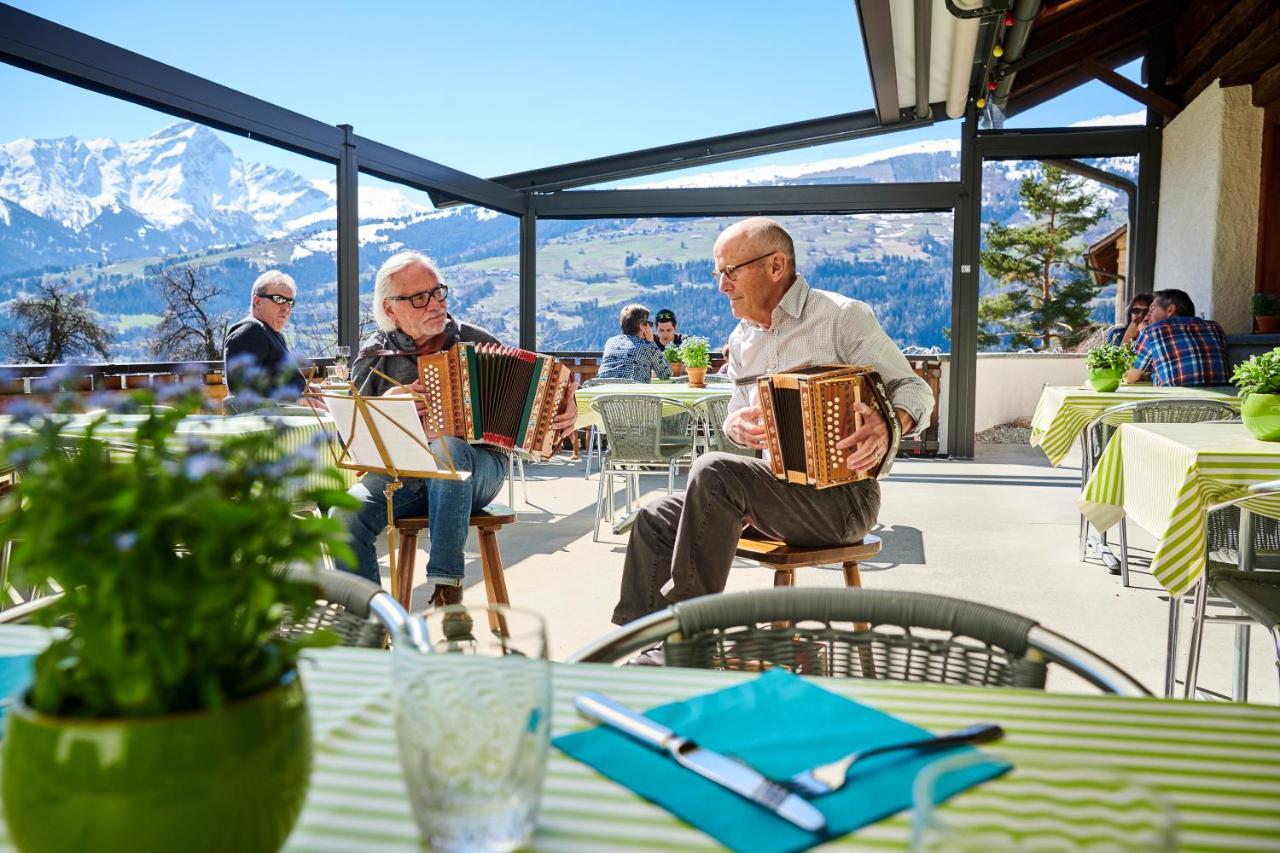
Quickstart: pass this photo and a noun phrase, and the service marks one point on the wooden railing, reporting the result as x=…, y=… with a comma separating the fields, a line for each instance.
x=19, y=381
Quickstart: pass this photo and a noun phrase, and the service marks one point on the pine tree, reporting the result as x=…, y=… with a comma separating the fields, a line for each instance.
x=1046, y=285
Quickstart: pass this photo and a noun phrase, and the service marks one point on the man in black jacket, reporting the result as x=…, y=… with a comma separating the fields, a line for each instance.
x=257, y=357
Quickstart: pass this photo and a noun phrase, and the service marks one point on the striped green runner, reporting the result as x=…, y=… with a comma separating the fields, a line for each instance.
x=1064, y=411
x=1164, y=476
x=1218, y=764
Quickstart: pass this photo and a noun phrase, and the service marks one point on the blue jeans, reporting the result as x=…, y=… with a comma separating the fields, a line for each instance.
x=448, y=503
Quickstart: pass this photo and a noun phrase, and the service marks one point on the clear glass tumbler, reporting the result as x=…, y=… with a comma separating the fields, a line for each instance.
x=1038, y=808
x=473, y=715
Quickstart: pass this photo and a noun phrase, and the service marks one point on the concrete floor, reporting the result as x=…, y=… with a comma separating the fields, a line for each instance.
x=1000, y=529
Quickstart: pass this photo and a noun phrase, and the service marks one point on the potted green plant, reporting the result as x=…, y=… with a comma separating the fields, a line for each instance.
x=695, y=352
x=1259, y=382
x=1107, y=364
x=1266, y=312
x=672, y=354
x=167, y=715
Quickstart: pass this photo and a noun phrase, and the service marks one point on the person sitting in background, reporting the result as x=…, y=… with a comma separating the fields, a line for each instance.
x=1136, y=315
x=633, y=354
x=665, y=328
x=257, y=357
x=1179, y=348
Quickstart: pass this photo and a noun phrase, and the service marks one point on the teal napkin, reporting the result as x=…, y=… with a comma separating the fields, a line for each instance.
x=779, y=724
x=15, y=675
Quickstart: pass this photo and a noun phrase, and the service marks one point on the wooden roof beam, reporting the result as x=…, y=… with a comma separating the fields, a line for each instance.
x=1253, y=54
x=1124, y=85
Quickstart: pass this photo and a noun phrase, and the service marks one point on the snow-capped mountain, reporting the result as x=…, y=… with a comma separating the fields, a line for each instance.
x=179, y=189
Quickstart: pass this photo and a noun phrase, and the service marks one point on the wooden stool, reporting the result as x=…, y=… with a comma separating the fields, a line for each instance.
x=784, y=559
x=487, y=521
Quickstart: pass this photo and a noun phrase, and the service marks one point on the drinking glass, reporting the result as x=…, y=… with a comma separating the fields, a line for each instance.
x=473, y=715
x=340, y=357
x=1038, y=808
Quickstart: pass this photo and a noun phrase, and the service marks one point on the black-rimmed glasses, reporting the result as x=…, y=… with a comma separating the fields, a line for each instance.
x=730, y=271
x=420, y=300
x=278, y=299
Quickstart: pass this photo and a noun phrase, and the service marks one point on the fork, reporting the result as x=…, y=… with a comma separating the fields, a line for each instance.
x=830, y=777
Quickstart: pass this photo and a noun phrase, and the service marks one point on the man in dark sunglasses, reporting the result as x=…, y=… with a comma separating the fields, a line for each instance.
x=260, y=369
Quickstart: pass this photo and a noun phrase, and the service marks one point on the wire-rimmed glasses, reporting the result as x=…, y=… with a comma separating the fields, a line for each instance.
x=730, y=271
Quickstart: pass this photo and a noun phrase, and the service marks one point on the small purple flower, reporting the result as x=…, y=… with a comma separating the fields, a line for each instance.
x=197, y=466
x=25, y=411
x=125, y=540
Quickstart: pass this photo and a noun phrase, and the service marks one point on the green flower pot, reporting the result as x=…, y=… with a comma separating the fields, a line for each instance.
x=1261, y=415
x=1105, y=378
x=230, y=779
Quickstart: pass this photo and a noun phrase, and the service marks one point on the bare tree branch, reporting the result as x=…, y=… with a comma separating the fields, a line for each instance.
x=55, y=325
x=188, y=330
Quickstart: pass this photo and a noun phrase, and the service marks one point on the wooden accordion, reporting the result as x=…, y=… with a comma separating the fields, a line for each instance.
x=494, y=394
x=807, y=410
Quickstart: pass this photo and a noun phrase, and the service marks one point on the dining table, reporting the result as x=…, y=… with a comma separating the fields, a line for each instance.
x=1164, y=477
x=679, y=392
x=311, y=433
x=1063, y=411
x=1217, y=764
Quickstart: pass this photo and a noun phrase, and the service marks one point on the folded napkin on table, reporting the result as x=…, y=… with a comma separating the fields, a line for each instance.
x=15, y=674
x=779, y=724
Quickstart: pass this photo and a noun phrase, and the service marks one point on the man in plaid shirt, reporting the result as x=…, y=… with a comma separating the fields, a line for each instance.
x=1177, y=347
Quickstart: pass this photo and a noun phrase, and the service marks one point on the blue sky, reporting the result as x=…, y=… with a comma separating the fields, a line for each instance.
x=495, y=87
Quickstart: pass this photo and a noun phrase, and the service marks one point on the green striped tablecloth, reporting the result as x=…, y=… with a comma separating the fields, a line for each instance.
x=1218, y=763
x=1163, y=476
x=1064, y=411
x=679, y=391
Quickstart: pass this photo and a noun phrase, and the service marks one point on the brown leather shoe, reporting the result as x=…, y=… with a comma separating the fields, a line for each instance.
x=444, y=595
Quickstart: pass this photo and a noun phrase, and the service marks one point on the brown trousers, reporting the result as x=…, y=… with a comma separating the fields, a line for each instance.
x=682, y=546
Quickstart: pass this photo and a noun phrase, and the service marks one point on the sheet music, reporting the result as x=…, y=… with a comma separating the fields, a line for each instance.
x=397, y=424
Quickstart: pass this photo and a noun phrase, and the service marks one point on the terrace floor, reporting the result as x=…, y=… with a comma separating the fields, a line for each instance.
x=1000, y=529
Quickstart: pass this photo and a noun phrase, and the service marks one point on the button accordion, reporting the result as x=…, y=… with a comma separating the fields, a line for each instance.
x=807, y=410
x=494, y=394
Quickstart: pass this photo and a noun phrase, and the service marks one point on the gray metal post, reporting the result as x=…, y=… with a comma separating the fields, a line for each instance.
x=529, y=277
x=348, y=243
x=1142, y=257
x=964, y=295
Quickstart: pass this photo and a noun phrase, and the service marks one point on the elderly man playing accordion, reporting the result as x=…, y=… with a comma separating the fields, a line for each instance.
x=410, y=305
x=682, y=546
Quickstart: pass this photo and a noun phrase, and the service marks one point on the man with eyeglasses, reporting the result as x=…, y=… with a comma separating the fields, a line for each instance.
x=410, y=306
x=682, y=546
x=259, y=366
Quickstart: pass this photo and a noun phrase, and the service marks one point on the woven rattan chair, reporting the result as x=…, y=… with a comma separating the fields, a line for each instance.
x=358, y=611
x=1225, y=523
x=634, y=426
x=593, y=440
x=714, y=409
x=911, y=637
x=1094, y=438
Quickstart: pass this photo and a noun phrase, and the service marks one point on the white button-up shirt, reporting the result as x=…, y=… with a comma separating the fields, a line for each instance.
x=813, y=327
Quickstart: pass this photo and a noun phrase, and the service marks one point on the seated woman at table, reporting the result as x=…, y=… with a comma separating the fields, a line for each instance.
x=1136, y=321
x=633, y=354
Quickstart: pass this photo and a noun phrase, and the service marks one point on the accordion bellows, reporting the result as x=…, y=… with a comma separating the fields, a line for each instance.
x=807, y=410
x=494, y=394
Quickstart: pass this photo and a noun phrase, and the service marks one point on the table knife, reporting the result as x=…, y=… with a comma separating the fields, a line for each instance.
x=726, y=772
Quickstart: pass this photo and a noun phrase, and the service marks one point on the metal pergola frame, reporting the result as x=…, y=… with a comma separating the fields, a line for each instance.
x=44, y=47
